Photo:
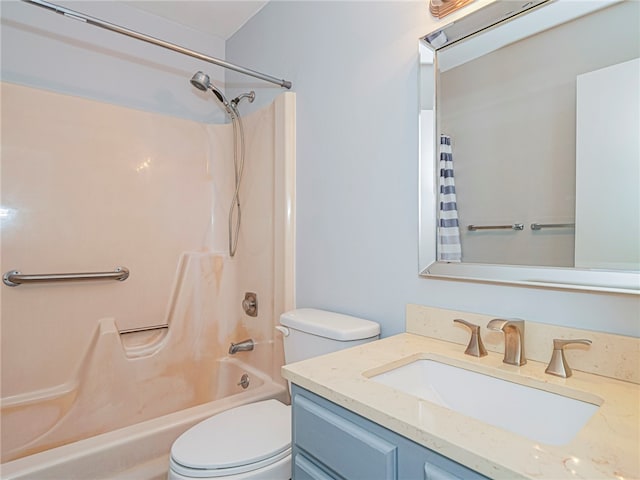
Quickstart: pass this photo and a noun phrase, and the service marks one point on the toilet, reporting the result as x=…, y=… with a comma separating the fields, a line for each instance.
x=253, y=442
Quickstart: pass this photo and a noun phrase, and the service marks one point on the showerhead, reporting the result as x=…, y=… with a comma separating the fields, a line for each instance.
x=202, y=82
x=251, y=96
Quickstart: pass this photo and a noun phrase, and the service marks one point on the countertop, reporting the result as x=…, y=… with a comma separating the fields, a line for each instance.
x=608, y=446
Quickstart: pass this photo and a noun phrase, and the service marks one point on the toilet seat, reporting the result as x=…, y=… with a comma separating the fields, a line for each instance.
x=235, y=441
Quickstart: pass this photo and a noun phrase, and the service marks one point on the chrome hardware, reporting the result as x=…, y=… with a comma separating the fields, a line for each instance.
x=13, y=278
x=513, y=339
x=558, y=365
x=515, y=226
x=540, y=226
x=96, y=22
x=475, y=347
x=243, y=346
x=244, y=381
x=143, y=329
x=250, y=304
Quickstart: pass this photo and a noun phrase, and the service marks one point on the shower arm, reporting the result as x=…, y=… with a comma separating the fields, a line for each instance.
x=155, y=41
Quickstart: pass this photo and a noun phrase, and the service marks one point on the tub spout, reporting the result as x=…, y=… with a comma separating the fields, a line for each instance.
x=242, y=346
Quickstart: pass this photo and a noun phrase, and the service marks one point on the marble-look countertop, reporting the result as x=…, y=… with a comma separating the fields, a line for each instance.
x=607, y=447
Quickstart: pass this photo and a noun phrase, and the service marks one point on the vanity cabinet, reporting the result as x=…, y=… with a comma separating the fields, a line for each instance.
x=331, y=442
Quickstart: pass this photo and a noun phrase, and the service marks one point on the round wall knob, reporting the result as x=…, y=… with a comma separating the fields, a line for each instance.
x=250, y=304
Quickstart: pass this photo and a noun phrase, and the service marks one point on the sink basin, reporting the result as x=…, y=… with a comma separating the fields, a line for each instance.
x=537, y=414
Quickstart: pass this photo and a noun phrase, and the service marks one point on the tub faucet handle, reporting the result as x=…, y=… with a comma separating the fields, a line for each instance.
x=250, y=304
x=475, y=346
x=558, y=365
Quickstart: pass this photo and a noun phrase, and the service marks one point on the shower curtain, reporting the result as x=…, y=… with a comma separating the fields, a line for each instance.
x=449, y=248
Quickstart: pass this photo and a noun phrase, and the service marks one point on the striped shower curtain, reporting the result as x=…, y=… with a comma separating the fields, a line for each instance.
x=449, y=249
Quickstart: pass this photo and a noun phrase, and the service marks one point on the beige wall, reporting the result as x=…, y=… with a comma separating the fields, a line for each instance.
x=92, y=187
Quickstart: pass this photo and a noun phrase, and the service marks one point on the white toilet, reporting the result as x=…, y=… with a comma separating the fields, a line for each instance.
x=253, y=442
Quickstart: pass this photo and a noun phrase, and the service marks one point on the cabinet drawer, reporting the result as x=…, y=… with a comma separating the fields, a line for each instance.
x=305, y=469
x=453, y=471
x=339, y=444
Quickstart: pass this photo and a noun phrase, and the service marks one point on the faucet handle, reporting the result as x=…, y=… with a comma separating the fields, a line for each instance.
x=475, y=347
x=558, y=365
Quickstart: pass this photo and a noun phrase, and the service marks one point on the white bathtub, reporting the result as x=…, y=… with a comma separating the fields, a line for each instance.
x=141, y=451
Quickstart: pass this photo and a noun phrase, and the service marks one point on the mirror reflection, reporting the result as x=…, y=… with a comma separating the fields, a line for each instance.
x=538, y=121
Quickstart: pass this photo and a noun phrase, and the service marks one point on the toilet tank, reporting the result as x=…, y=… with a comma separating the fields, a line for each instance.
x=309, y=333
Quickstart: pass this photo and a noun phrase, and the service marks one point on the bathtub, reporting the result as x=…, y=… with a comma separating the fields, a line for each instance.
x=141, y=451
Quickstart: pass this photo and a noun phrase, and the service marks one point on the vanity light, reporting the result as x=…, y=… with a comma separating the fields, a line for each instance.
x=442, y=8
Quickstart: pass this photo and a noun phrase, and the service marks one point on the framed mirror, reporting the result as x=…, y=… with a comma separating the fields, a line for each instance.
x=530, y=146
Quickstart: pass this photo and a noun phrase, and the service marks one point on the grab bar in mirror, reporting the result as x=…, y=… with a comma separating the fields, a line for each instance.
x=515, y=226
x=13, y=278
x=540, y=226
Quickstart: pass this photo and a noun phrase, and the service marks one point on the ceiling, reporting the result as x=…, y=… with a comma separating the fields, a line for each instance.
x=221, y=18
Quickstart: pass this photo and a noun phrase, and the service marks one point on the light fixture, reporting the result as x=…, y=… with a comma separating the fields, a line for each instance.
x=442, y=8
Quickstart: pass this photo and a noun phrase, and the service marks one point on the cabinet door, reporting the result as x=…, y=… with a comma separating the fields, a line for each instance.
x=341, y=445
x=331, y=442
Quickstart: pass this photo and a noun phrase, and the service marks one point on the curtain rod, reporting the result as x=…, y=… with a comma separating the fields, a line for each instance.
x=155, y=41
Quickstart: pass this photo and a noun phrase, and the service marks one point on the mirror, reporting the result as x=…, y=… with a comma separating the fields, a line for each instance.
x=537, y=120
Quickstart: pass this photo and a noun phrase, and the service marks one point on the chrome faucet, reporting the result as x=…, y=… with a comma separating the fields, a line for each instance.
x=513, y=339
x=243, y=346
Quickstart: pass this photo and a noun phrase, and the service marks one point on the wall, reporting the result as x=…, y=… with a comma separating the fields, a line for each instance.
x=99, y=187
x=354, y=67
x=49, y=51
x=74, y=197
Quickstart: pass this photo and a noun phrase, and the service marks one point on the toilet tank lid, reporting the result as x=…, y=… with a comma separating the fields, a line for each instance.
x=335, y=326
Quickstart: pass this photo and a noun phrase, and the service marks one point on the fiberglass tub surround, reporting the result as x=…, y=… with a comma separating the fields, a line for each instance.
x=101, y=186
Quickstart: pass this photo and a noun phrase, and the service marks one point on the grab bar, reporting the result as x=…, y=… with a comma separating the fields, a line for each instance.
x=13, y=278
x=143, y=329
x=540, y=226
x=515, y=226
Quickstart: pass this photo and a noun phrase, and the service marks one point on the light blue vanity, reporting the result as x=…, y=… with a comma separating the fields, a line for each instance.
x=331, y=442
x=419, y=406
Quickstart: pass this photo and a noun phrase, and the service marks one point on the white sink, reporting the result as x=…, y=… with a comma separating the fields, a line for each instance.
x=537, y=414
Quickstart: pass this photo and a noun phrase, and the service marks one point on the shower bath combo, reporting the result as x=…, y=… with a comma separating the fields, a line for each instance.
x=164, y=377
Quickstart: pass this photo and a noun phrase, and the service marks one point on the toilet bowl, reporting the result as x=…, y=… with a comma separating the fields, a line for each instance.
x=248, y=442
x=253, y=442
